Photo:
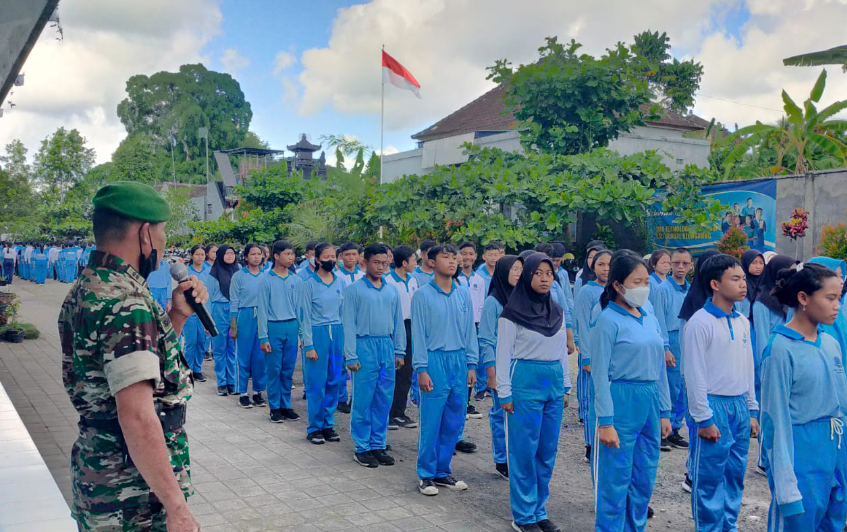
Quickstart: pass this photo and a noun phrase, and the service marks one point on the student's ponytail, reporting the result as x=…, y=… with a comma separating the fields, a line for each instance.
x=804, y=277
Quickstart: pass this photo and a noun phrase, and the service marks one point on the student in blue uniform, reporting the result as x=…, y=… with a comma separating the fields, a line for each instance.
x=423, y=273
x=219, y=283
x=532, y=381
x=804, y=407
x=477, y=287
x=193, y=331
x=767, y=312
x=659, y=266
x=491, y=253
x=319, y=309
x=405, y=263
x=160, y=284
x=753, y=263
x=374, y=347
x=308, y=256
x=279, y=330
x=506, y=274
x=211, y=254
x=39, y=263
x=558, y=256
x=244, y=328
x=838, y=329
x=445, y=355
x=667, y=302
x=348, y=266
x=596, y=277
x=719, y=379
x=590, y=250
x=631, y=398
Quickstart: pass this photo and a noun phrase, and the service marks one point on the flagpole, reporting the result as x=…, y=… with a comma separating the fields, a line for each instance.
x=381, y=119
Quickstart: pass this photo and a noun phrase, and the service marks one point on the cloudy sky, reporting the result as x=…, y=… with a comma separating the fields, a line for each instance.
x=314, y=67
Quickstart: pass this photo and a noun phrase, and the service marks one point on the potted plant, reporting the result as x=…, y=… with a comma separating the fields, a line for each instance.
x=14, y=333
x=795, y=228
x=734, y=242
x=9, y=305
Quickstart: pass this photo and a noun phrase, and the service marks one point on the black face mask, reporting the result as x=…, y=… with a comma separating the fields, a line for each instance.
x=327, y=265
x=148, y=264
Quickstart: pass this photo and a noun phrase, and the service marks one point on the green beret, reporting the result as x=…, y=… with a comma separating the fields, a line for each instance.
x=134, y=200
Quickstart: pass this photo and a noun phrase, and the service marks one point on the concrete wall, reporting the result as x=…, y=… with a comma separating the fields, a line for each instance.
x=822, y=194
x=676, y=150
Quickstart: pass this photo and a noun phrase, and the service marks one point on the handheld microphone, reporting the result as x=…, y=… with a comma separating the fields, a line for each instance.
x=180, y=274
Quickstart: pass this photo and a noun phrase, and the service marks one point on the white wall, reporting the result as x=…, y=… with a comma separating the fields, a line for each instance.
x=676, y=150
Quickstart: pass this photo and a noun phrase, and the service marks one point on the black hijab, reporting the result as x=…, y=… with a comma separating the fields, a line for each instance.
x=747, y=259
x=500, y=288
x=587, y=270
x=222, y=271
x=697, y=292
x=528, y=308
x=767, y=281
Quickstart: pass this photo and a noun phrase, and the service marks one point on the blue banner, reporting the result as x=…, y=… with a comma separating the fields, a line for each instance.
x=752, y=208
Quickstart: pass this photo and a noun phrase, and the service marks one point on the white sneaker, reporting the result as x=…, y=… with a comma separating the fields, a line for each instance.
x=686, y=484
x=427, y=487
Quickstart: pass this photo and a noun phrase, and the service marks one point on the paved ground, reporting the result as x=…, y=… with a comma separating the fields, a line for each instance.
x=251, y=475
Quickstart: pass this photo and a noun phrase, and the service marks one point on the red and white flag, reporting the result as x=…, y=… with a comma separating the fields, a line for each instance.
x=396, y=74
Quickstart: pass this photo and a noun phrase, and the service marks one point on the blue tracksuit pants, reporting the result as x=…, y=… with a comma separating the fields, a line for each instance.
x=195, y=338
x=676, y=384
x=323, y=376
x=442, y=413
x=40, y=271
x=497, y=422
x=373, y=392
x=624, y=477
x=821, y=470
x=538, y=395
x=343, y=396
x=250, y=360
x=717, y=472
x=223, y=346
x=9, y=270
x=280, y=362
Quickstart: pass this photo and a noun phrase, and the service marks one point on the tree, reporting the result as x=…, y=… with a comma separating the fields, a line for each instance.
x=571, y=103
x=183, y=211
x=136, y=160
x=173, y=106
x=252, y=140
x=833, y=56
x=15, y=163
x=809, y=137
x=16, y=196
x=62, y=161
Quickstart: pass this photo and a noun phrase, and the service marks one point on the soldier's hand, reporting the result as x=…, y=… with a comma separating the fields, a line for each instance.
x=181, y=521
x=179, y=304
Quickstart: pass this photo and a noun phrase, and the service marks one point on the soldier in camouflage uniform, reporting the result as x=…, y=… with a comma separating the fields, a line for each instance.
x=125, y=374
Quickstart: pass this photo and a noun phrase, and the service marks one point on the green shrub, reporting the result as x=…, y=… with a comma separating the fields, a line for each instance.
x=833, y=242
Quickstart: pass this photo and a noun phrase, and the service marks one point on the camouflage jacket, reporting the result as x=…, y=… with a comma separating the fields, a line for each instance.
x=115, y=335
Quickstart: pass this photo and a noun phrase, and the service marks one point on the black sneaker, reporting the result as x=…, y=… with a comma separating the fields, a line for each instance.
x=529, y=527
x=316, y=438
x=223, y=391
x=392, y=423
x=244, y=402
x=231, y=389
x=450, y=483
x=288, y=413
x=402, y=421
x=382, y=457
x=330, y=435
x=502, y=470
x=479, y=396
x=276, y=415
x=587, y=457
x=665, y=446
x=344, y=408
x=207, y=356
x=199, y=377
x=427, y=487
x=464, y=446
x=547, y=525
x=472, y=413
x=366, y=459
x=258, y=400
x=649, y=513
x=686, y=484
x=409, y=423
x=677, y=441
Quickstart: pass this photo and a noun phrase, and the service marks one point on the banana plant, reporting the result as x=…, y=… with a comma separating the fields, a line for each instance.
x=833, y=56
x=807, y=136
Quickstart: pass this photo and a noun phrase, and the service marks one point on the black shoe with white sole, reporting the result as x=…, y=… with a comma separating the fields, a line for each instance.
x=665, y=446
x=316, y=437
x=231, y=389
x=330, y=435
x=587, y=457
x=199, y=377
x=450, y=483
x=382, y=457
x=392, y=424
x=403, y=422
x=464, y=446
x=649, y=512
x=222, y=391
x=677, y=441
x=276, y=415
x=529, y=527
x=366, y=459
x=289, y=414
x=244, y=402
x=686, y=484
x=427, y=487
x=258, y=400
x=344, y=408
x=547, y=525
x=472, y=413
x=502, y=470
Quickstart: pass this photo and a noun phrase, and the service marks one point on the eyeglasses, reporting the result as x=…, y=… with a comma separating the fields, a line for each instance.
x=678, y=263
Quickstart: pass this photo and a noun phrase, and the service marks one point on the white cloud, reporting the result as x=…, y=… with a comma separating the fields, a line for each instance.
x=78, y=82
x=283, y=61
x=233, y=62
x=389, y=150
x=448, y=45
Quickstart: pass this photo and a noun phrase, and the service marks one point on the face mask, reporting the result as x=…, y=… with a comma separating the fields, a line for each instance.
x=327, y=265
x=637, y=297
x=312, y=262
x=148, y=264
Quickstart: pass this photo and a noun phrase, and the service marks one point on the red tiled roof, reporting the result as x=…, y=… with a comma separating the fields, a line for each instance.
x=486, y=114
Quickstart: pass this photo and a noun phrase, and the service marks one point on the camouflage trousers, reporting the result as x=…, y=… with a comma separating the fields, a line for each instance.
x=150, y=517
